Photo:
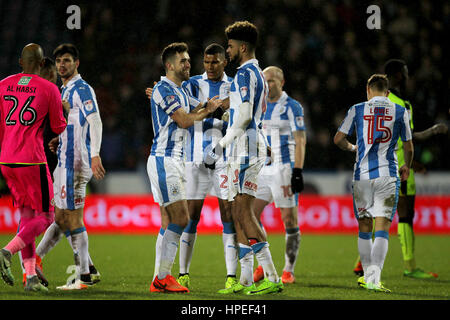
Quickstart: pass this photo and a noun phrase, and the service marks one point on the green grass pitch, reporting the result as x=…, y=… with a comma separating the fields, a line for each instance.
x=323, y=271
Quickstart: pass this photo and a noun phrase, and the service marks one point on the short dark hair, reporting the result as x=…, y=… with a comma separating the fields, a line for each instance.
x=214, y=48
x=393, y=66
x=66, y=48
x=243, y=31
x=172, y=49
x=378, y=82
x=48, y=63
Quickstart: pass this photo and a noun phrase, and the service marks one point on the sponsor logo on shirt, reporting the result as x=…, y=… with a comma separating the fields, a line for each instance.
x=250, y=186
x=24, y=81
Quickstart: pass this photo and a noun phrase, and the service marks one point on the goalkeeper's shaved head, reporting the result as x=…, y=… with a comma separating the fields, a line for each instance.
x=31, y=58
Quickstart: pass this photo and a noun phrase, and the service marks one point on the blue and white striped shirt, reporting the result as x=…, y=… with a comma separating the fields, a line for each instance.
x=74, y=149
x=281, y=119
x=169, y=138
x=249, y=85
x=210, y=130
x=378, y=124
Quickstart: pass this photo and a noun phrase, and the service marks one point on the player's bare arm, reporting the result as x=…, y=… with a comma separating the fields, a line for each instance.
x=340, y=139
x=408, y=149
x=300, y=148
x=439, y=128
x=185, y=120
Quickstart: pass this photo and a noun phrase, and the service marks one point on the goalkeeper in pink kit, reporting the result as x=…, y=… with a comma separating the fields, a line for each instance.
x=27, y=101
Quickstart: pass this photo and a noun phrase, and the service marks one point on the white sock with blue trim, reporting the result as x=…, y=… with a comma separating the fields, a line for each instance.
x=365, y=250
x=230, y=248
x=379, y=252
x=264, y=258
x=80, y=244
x=246, y=260
x=158, y=251
x=169, y=248
x=187, y=242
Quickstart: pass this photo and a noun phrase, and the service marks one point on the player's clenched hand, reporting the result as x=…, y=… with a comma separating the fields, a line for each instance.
x=297, y=184
x=97, y=168
x=53, y=144
x=404, y=173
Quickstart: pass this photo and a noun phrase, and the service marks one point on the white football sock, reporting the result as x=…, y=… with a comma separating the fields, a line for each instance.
x=187, y=242
x=379, y=252
x=80, y=244
x=293, y=239
x=158, y=251
x=51, y=237
x=264, y=258
x=230, y=252
x=365, y=250
x=246, y=259
x=169, y=248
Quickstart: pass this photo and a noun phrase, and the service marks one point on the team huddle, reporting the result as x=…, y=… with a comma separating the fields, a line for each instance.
x=240, y=139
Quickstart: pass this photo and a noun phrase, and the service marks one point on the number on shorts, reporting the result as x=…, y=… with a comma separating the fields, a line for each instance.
x=223, y=185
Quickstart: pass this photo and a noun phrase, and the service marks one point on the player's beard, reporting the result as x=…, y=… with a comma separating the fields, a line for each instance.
x=183, y=75
x=67, y=75
x=236, y=58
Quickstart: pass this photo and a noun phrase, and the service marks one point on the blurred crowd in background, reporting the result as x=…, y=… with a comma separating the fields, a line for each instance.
x=324, y=47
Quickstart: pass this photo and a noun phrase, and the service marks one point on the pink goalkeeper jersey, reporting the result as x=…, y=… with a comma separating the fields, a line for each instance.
x=27, y=101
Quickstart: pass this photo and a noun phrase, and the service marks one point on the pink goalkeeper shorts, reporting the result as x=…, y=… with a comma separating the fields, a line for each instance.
x=30, y=186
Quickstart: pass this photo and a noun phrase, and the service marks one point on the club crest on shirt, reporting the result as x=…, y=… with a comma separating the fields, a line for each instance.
x=88, y=105
x=169, y=100
x=243, y=91
x=300, y=122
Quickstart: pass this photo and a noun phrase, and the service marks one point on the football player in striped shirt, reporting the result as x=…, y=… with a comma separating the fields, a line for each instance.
x=282, y=180
x=378, y=124
x=173, y=110
x=79, y=159
x=246, y=152
x=201, y=181
x=397, y=73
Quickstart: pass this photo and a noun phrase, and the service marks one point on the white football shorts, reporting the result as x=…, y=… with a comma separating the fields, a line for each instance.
x=243, y=178
x=167, y=179
x=69, y=187
x=201, y=181
x=274, y=185
x=376, y=197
